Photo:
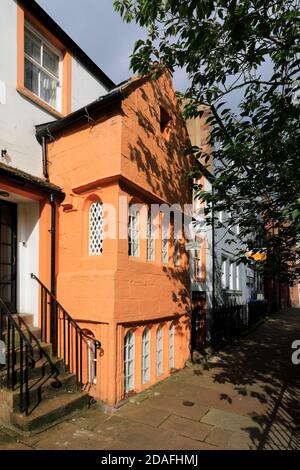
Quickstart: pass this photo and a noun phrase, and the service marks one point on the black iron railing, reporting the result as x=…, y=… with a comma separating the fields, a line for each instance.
x=68, y=340
x=228, y=321
x=18, y=353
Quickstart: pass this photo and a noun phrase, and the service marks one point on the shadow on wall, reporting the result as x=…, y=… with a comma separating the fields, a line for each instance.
x=167, y=175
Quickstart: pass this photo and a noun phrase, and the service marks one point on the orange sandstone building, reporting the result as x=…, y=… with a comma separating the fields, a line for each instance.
x=128, y=289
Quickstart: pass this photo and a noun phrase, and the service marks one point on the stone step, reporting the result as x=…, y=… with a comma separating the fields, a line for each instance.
x=37, y=353
x=36, y=332
x=50, y=412
x=26, y=318
x=45, y=388
x=43, y=367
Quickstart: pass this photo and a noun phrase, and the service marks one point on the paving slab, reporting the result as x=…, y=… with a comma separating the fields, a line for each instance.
x=219, y=437
x=146, y=414
x=185, y=406
x=245, y=399
x=230, y=421
x=187, y=427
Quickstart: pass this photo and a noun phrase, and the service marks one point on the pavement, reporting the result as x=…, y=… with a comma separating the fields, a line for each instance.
x=244, y=397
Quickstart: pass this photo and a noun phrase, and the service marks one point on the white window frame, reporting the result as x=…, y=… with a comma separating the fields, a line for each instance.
x=45, y=42
x=164, y=243
x=238, y=277
x=159, y=351
x=231, y=275
x=92, y=362
x=129, y=361
x=224, y=263
x=150, y=238
x=146, y=351
x=171, y=346
x=133, y=233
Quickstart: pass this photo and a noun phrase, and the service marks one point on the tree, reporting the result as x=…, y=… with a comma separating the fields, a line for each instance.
x=248, y=50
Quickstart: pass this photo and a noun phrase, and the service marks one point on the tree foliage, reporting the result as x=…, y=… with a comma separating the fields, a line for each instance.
x=246, y=52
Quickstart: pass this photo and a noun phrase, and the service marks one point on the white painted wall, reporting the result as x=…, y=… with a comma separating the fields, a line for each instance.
x=28, y=258
x=19, y=115
x=85, y=88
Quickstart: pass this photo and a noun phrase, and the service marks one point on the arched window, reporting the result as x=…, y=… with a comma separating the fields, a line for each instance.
x=129, y=361
x=159, y=351
x=146, y=356
x=92, y=362
x=171, y=346
x=96, y=229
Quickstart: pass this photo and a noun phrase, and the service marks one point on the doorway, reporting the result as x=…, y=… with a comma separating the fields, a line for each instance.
x=8, y=254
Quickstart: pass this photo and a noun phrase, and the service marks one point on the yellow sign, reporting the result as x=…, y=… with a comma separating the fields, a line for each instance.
x=257, y=256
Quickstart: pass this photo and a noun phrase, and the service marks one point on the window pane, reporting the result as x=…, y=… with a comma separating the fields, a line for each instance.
x=31, y=79
x=51, y=61
x=33, y=46
x=48, y=89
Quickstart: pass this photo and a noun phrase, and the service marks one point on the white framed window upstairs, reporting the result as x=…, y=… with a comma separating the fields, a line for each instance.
x=42, y=68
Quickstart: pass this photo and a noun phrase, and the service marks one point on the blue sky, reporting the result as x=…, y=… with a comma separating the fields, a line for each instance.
x=101, y=33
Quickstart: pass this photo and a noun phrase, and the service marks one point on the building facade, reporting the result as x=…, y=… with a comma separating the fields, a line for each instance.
x=125, y=280
x=44, y=75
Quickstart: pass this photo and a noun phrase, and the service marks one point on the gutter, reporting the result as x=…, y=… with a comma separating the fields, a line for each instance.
x=85, y=113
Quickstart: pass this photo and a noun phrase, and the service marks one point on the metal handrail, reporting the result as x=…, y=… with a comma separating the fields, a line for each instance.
x=74, y=323
x=68, y=339
x=8, y=314
x=26, y=357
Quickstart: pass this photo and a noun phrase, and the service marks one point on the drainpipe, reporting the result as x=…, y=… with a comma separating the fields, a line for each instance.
x=53, y=244
x=213, y=303
x=44, y=154
x=53, y=319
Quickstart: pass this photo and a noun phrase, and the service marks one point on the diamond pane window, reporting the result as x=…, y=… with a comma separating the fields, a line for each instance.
x=96, y=229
